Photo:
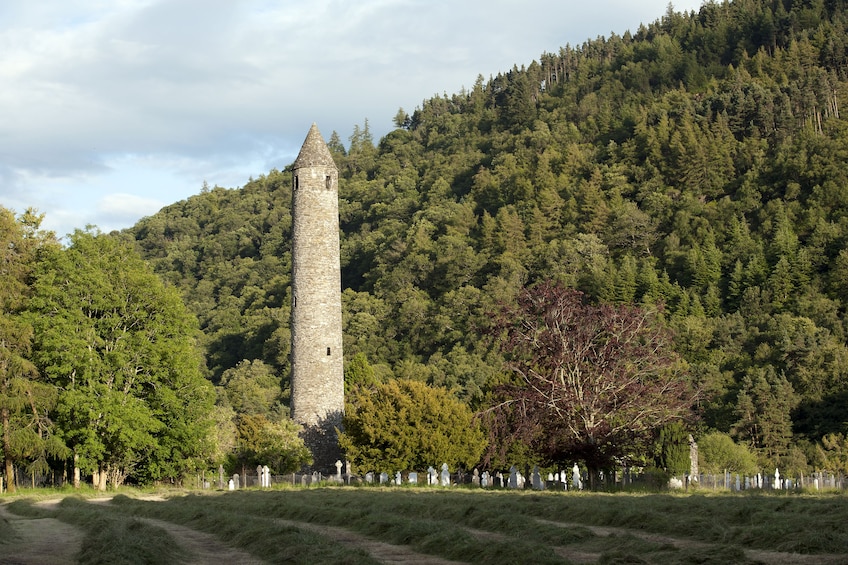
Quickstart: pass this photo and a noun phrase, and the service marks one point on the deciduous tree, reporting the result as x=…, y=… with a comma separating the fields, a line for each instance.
x=405, y=425
x=122, y=348
x=25, y=399
x=592, y=382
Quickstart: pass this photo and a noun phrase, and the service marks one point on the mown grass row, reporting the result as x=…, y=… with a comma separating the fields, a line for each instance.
x=437, y=522
x=109, y=537
x=447, y=523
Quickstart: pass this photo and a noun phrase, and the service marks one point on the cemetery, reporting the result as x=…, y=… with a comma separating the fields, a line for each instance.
x=574, y=480
x=432, y=517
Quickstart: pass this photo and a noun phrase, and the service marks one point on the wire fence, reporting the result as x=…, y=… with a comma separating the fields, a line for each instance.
x=730, y=482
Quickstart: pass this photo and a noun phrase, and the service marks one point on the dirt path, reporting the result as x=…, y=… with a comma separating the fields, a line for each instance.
x=39, y=541
x=769, y=557
x=203, y=548
x=383, y=552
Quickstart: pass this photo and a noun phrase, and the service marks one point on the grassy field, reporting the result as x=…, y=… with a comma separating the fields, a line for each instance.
x=401, y=525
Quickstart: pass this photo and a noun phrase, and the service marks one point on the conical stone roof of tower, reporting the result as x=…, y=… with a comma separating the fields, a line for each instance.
x=314, y=152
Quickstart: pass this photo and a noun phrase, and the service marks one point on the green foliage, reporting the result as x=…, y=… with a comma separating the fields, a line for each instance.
x=672, y=449
x=717, y=453
x=405, y=425
x=120, y=346
x=359, y=374
x=275, y=444
x=26, y=400
x=697, y=162
x=252, y=388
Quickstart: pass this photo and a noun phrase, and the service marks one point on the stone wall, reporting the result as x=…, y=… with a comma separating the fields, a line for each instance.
x=316, y=325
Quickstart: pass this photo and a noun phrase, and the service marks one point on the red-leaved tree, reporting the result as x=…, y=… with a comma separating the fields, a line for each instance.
x=592, y=382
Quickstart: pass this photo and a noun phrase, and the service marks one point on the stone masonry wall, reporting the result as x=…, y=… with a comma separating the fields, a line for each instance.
x=316, y=325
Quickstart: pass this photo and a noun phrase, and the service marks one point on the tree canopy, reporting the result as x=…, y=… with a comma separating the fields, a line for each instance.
x=26, y=400
x=405, y=425
x=593, y=381
x=697, y=162
x=119, y=346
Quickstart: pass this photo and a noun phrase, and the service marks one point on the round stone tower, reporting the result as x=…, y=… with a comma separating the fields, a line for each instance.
x=317, y=380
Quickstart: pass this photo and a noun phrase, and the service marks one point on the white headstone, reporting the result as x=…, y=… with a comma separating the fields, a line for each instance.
x=513, y=477
x=537, y=479
x=445, y=475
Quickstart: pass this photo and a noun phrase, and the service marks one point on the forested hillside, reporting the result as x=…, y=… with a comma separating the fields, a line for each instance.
x=700, y=162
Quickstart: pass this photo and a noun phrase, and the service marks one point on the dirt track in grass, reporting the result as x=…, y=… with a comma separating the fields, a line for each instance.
x=47, y=541
x=38, y=541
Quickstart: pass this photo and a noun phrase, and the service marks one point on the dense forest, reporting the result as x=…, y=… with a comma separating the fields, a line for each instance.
x=693, y=173
x=699, y=163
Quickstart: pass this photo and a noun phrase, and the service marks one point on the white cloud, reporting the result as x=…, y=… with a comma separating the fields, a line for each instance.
x=136, y=97
x=127, y=207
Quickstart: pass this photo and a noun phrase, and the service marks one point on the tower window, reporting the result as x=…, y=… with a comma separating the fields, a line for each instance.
x=328, y=351
x=296, y=178
x=329, y=181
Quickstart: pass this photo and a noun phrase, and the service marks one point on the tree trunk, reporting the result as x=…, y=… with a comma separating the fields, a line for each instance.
x=99, y=479
x=7, y=450
x=76, y=471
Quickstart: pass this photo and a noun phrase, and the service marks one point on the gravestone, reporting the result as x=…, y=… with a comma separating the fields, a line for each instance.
x=537, y=479
x=398, y=479
x=776, y=478
x=693, y=457
x=236, y=481
x=369, y=477
x=445, y=475
x=576, y=482
x=220, y=476
x=484, y=479
x=513, y=477
x=499, y=480
x=384, y=478
x=432, y=477
x=475, y=478
x=339, y=471
x=231, y=484
x=412, y=478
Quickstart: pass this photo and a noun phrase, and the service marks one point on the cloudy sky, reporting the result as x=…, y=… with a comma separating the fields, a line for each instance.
x=112, y=109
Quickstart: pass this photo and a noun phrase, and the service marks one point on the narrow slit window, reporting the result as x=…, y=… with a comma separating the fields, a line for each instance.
x=328, y=351
x=329, y=181
x=296, y=182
